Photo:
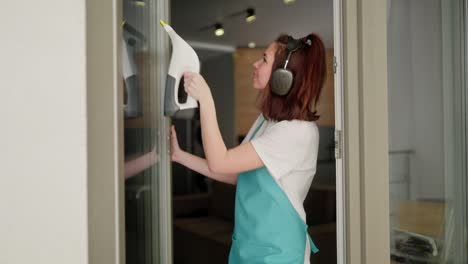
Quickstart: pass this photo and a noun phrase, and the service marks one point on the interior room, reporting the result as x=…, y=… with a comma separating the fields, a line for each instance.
x=425, y=160
x=203, y=210
x=87, y=149
x=391, y=183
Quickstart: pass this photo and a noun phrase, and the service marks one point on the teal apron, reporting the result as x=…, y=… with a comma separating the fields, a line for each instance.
x=267, y=228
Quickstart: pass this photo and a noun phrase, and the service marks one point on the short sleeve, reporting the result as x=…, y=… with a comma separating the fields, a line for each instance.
x=286, y=145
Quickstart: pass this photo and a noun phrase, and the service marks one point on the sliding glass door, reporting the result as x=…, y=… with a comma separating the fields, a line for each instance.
x=144, y=62
x=427, y=131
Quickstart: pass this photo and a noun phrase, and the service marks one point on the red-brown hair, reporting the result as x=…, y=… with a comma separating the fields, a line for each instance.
x=308, y=66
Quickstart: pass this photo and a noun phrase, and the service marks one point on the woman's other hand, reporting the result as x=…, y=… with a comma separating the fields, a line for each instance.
x=196, y=86
x=175, y=149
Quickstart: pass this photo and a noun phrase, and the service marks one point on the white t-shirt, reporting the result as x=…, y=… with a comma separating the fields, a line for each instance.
x=289, y=151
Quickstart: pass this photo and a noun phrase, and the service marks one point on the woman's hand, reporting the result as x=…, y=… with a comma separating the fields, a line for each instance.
x=175, y=149
x=196, y=86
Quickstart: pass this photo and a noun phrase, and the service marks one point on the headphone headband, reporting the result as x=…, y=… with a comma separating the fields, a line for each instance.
x=293, y=44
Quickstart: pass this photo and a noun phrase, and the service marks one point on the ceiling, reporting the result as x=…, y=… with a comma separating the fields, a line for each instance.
x=273, y=18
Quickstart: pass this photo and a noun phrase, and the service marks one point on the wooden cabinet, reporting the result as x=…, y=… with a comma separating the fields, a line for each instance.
x=246, y=97
x=326, y=105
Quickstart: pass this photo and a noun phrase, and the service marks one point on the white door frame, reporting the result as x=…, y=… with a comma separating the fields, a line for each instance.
x=365, y=137
x=164, y=211
x=339, y=125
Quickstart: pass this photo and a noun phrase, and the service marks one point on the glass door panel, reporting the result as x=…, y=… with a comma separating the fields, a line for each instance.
x=427, y=133
x=142, y=82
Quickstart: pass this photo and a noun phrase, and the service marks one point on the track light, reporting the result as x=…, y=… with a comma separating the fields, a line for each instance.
x=138, y=3
x=219, y=30
x=250, y=15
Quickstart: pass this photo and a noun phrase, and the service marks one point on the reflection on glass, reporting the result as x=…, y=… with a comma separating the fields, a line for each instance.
x=141, y=146
x=426, y=127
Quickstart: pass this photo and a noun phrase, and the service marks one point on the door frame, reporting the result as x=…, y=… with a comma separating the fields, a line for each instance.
x=340, y=159
x=365, y=132
x=164, y=194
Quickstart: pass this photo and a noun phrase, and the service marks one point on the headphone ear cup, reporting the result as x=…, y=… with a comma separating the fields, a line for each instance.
x=281, y=81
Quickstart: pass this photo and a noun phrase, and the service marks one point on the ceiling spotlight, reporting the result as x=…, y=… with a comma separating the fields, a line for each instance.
x=251, y=44
x=219, y=30
x=250, y=15
x=287, y=2
x=138, y=3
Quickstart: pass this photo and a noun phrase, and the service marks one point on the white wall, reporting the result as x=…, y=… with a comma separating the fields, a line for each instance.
x=427, y=106
x=43, y=196
x=400, y=79
x=415, y=96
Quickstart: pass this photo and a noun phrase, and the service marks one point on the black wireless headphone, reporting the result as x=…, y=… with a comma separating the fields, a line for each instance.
x=282, y=78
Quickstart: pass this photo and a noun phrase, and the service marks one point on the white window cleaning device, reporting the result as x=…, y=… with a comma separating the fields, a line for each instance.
x=183, y=59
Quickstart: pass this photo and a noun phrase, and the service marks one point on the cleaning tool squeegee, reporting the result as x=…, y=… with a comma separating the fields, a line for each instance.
x=183, y=59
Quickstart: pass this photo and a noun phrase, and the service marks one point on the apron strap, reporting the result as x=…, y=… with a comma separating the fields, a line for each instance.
x=256, y=130
x=312, y=244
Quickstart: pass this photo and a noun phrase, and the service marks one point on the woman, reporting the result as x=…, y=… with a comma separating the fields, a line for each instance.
x=274, y=166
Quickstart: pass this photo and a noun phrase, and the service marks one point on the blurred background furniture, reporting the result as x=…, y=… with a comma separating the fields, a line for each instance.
x=420, y=223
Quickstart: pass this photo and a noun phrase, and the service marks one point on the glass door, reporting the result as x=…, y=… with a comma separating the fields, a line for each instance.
x=146, y=160
x=427, y=131
x=454, y=45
